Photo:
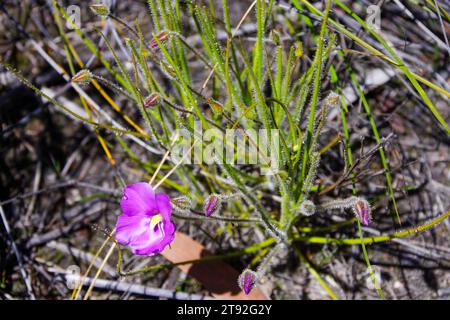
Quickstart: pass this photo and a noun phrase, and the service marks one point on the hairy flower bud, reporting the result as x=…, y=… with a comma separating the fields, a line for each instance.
x=307, y=208
x=216, y=106
x=82, y=77
x=152, y=100
x=212, y=204
x=332, y=99
x=100, y=9
x=162, y=37
x=168, y=70
x=361, y=208
x=247, y=280
x=182, y=202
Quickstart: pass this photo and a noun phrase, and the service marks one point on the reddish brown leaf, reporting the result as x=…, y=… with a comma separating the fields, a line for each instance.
x=219, y=278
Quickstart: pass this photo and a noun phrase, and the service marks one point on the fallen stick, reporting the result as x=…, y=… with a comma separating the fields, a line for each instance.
x=130, y=287
x=85, y=256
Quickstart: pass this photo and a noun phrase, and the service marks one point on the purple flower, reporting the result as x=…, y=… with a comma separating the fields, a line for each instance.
x=145, y=225
x=362, y=211
x=247, y=280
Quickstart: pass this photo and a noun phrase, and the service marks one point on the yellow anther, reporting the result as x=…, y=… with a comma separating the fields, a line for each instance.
x=155, y=220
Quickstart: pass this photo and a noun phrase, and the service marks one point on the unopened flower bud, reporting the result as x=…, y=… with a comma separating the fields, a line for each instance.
x=100, y=9
x=307, y=208
x=247, y=280
x=162, y=37
x=182, y=202
x=361, y=208
x=169, y=70
x=211, y=205
x=152, y=100
x=332, y=99
x=216, y=106
x=83, y=77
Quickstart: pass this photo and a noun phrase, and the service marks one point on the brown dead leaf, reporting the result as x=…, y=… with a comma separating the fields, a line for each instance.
x=219, y=278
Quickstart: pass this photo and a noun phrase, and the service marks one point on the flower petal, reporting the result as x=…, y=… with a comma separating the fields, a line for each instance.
x=164, y=207
x=138, y=199
x=135, y=232
x=132, y=230
x=161, y=236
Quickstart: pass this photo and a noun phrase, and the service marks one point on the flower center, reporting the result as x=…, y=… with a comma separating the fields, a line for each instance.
x=155, y=220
